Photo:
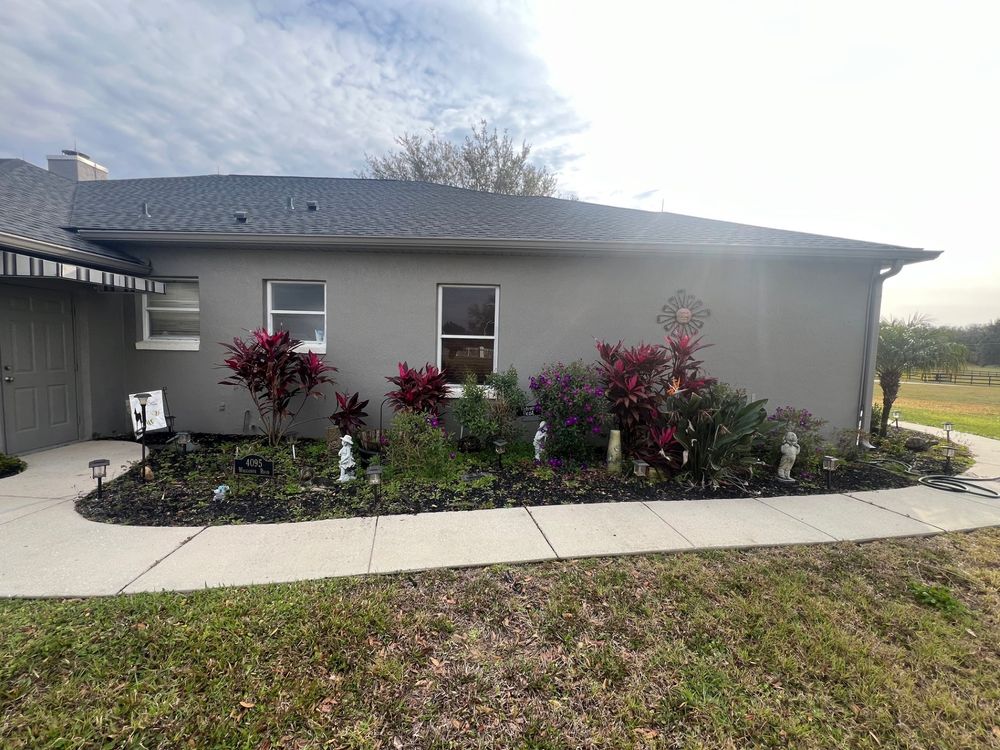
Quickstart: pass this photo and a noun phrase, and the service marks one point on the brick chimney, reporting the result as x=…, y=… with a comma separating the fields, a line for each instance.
x=76, y=166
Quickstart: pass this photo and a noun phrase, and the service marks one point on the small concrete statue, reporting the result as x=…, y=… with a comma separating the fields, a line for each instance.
x=219, y=493
x=346, y=459
x=789, y=452
x=539, y=440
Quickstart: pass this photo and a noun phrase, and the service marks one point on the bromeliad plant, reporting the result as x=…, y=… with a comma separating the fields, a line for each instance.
x=279, y=379
x=418, y=391
x=350, y=414
x=716, y=430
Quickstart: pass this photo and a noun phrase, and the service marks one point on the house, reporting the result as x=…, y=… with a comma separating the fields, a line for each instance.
x=116, y=286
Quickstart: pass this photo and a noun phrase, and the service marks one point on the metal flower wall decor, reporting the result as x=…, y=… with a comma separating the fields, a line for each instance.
x=684, y=313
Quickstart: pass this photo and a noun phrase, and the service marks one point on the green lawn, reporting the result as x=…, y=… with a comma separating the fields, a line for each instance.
x=891, y=644
x=974, y=409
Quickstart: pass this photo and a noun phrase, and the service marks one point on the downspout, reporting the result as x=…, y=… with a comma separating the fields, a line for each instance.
x=867, y=389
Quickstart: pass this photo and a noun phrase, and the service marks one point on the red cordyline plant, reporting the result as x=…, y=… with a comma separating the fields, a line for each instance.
x=350, y=414
x=641, y=383
x=276, y=376
x=633, y=380
x=418, y=391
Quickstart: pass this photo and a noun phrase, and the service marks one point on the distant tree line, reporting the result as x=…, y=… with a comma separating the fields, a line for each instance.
x=981, y=340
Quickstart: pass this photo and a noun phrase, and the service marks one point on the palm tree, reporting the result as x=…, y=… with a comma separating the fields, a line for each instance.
x=911, y=344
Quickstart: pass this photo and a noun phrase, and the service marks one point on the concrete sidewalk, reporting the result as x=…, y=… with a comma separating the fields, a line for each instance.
x=47, y=549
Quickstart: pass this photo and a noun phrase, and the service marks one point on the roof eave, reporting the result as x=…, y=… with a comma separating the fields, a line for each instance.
x=463, y=244
x=54, y=251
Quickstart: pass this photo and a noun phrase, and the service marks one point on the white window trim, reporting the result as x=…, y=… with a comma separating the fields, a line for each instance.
x=316, y=347
x=455, y=390
x=174, y=343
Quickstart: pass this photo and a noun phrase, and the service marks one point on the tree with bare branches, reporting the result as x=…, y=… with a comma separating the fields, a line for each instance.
x=487, y=161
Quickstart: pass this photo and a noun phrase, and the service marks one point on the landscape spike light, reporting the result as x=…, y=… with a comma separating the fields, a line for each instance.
x=830, y=464
x=895, y=416
x=949, y=453
x=374, y=474
x=500, y=446
x=98, y=470
x=948, y=427
x=640, y=468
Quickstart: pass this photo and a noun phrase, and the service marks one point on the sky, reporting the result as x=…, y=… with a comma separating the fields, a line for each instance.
x=872, y=120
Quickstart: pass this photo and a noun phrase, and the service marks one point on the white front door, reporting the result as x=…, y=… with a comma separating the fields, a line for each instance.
x=37, y=368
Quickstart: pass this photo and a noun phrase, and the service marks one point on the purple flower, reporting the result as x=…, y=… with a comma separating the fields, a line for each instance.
x=570, y=421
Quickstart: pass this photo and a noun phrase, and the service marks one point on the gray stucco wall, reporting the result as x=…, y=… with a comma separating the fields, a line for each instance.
x=791, y=331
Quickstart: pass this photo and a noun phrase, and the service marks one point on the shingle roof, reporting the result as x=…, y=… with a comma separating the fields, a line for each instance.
x=39, y=205
x=386, y=208
x=36, y=204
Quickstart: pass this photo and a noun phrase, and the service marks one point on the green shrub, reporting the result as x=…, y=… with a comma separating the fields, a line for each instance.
x=473, y=410
x=418, y=446
x=508, y=404
x=716, y=429
x=487, y=416
x=10, y=465
x=876, y=416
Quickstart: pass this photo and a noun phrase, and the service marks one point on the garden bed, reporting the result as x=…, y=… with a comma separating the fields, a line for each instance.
x=305, y=488
x=10, y=465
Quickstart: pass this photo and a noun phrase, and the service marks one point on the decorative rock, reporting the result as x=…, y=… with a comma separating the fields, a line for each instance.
x=789, y=452
x=346, y=459
x=917, y=443
x=539, y=441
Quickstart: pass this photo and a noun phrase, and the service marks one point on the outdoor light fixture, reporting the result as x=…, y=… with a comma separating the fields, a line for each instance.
x=184, y=440
x=374, y=474
x=143, y=399
x=948, y=427
x=830, y=464
x=501, y=447
x=640, y=468
x=98, y=470
x=896, y=415
x=949, y=453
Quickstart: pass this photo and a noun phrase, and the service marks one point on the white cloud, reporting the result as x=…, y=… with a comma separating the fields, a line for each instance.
x=281, y=87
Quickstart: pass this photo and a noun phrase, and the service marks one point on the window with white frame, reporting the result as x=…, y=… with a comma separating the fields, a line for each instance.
x=172, y=320
x=467, y=330
x=298, y=307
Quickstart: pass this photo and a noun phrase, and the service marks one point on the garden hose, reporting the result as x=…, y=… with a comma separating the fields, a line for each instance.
x=946, y=482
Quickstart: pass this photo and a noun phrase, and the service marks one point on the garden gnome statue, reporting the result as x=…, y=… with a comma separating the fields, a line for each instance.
x=539, y=440
x=789, y=452
x=219, y=493
x=346, y=459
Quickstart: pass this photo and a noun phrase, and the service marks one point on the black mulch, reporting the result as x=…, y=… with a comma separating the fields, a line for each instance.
x=181, y=492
